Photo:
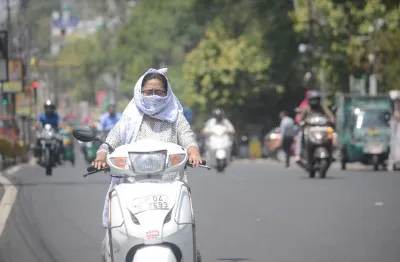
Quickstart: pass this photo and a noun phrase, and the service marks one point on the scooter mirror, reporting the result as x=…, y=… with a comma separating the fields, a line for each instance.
x=84, y=133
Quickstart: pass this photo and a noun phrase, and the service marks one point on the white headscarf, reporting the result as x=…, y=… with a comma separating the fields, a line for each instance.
x=163, y=108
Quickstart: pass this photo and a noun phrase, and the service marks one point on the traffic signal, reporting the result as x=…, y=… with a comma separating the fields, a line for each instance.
x=35, y=85
x=5, y=99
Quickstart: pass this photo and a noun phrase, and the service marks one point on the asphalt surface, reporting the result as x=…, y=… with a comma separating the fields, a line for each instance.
x=253, y=212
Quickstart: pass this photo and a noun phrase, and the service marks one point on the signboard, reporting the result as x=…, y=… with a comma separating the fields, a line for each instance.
x=15, y=76
x=22, y=104
x=3, y=56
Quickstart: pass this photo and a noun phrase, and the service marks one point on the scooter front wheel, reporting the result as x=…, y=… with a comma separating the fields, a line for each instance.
x=323, y=168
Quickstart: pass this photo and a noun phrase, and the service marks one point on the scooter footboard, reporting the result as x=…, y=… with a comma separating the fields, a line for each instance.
x=157, y=253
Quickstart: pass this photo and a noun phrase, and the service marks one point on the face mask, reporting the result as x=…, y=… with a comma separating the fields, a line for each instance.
x=151, y=105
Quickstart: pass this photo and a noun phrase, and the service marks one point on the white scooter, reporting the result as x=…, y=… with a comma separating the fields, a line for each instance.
x=151, y=219
x=219, y=146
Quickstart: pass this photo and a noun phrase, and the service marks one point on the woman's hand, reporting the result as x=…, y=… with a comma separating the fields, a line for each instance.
x=194, y=156
x=100, y=161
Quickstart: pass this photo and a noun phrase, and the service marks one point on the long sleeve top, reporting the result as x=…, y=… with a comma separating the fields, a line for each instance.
x=178, y=132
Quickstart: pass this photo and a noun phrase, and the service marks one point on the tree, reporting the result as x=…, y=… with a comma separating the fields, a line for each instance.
x=93, y=60
x=158, y=34
x=228, y=72
x=343, y=36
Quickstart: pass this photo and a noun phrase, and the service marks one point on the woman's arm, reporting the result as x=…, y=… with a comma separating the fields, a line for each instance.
x=187, y=139
x=185, y=134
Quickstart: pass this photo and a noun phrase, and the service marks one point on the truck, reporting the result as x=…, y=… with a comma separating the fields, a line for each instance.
x=363, y=129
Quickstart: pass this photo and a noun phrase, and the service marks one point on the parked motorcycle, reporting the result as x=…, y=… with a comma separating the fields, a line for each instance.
x=50, y=148
x=317, y=151
x=150, y=219
x=219, y=147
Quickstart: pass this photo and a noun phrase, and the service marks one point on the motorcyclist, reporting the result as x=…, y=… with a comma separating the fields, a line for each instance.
x=314, y=106
x=302, y=105
x=51, y=117
x=109, y=119
x=218, y=118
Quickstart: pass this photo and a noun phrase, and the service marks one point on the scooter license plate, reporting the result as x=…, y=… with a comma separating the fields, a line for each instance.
x=153, y=202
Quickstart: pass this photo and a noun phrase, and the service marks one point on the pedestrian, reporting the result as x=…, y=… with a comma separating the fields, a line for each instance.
x=287, y=132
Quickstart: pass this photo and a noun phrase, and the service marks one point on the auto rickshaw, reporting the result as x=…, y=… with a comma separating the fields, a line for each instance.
x=363, y=128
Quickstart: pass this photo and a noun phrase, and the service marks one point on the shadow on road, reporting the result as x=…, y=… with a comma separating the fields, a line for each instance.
x=63, y=183
x=234, y=259
x=326, y=178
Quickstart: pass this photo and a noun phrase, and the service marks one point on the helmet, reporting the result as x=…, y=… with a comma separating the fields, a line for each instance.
x=49, y=106
x=314, y=98
x=218, y=114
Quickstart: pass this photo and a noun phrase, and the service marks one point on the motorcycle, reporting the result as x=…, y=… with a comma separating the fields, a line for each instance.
x=219, y=145
x=317, y=152
x=50, y=146
x=150, y=219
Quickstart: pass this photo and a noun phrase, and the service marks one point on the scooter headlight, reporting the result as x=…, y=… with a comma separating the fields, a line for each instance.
x=148, y=162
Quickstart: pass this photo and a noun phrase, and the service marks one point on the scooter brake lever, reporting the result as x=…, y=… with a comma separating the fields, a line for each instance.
x=204, y=166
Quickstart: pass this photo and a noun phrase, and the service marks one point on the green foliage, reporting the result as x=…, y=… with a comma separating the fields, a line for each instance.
x=345, y=31
x=158, y=34
x=240, y=55
x=224, y=71
x=89, y=54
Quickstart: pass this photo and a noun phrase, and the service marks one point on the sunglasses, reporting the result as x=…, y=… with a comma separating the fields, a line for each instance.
x=151, y=92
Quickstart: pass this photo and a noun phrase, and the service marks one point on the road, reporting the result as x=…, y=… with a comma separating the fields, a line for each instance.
x=254, y=212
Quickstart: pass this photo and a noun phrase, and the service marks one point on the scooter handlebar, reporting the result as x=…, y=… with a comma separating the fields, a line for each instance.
x=91, y=169
x=203, y=164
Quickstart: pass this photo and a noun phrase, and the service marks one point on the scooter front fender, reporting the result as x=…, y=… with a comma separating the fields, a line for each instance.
x=154, y=253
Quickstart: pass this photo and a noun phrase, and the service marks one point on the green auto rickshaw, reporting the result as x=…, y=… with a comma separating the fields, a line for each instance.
x=363, y=127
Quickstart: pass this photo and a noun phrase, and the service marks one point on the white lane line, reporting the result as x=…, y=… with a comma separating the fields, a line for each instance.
x=8, y=199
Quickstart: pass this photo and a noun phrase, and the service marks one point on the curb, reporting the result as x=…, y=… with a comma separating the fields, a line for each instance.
x=9, y=191
x=8, y=198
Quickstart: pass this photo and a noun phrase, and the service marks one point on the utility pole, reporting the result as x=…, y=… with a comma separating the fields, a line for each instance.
x=4, y=108
x=310, y=56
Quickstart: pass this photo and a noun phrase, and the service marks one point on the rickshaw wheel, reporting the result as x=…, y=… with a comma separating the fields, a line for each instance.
x=375, y=162
x=343, y=159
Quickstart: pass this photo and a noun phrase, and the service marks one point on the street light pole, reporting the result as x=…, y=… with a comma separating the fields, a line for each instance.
x=373, y=81
x=310, y=55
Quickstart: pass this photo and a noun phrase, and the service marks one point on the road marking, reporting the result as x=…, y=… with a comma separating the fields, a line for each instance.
x=379, y=204
x=8, y=199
